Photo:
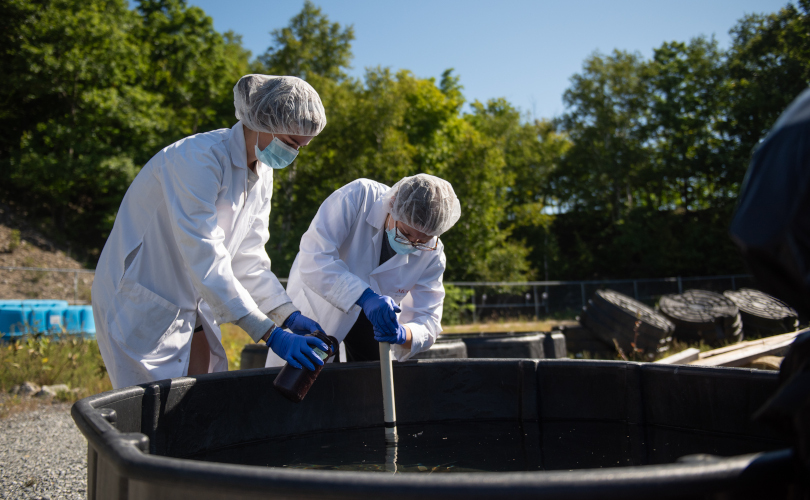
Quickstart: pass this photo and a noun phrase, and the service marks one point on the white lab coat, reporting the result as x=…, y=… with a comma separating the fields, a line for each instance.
x=338, y=260
x=188, y=241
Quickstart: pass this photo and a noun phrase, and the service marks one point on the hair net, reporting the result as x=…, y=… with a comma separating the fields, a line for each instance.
x=424, y=202
x=278, y=105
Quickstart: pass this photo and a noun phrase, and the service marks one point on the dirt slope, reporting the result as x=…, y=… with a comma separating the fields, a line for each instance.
x=22, y=246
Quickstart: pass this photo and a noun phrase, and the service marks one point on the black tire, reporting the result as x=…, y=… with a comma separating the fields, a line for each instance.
x=702, y=315
x=608, y=330
x=762, y=314
x=628, y=310
x=632, y=324
x=627, y=320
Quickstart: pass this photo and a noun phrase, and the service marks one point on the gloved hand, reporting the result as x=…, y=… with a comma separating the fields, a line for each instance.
x=296, y=349
x=400, y=336
x=300, y=324
x=380, y=310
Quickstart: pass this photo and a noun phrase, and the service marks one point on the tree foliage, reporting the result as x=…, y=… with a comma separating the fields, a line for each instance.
x=637, y=178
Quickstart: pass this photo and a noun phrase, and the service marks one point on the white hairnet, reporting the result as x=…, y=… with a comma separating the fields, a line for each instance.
x=424, y=202
x=278, y=105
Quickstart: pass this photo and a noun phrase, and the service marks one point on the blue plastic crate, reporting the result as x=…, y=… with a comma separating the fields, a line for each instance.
x=38, y=320
x=10, y=303
x=12, y=322
x=72, y=319
x=44, y=303
x=88, y=322
x=56, y=319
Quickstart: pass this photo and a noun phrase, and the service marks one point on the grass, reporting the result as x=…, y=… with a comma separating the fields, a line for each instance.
x=70, y=360
x=73, y=361
x=234, y=340
x=507, y=326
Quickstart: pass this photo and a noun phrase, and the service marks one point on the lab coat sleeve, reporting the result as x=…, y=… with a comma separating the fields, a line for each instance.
x=320, y=265
x=191, y=183
x=251, y=266
x=422, y=308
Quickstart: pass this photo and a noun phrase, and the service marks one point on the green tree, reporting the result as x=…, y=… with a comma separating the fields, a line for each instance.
x=607, y=127
x=684, y=85
x=768, y=66
x=310, y=45
x=191, y=65
x=93, y=90
x=77, y=115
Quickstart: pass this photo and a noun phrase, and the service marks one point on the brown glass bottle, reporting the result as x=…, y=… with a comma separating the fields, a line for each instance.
x=294, y=383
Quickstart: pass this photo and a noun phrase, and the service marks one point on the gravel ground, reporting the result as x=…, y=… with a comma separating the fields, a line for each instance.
x=42, y=455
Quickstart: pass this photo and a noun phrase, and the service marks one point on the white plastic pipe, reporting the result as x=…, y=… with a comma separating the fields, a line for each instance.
x=389, y=408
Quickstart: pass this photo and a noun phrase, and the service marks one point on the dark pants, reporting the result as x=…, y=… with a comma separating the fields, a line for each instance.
x=359, y=342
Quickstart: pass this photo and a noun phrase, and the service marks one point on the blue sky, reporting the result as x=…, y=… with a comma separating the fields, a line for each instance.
x=522, y=50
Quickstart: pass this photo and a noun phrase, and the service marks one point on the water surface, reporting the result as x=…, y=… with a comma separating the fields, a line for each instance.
x=487, y=447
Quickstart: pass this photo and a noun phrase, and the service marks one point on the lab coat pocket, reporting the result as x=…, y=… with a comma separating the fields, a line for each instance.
x=142, y=318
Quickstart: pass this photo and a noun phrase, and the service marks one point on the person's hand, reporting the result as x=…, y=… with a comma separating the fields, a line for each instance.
x=296, y=349
x=300, y=324
x=380, y=310
x=400, y=336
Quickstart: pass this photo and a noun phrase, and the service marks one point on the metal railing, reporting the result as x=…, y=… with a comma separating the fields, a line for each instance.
x=504, y=299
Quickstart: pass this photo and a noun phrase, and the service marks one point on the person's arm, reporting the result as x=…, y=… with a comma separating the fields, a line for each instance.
x=251, y=266
x=190, y=190
x=319, y=262
x=422, y=309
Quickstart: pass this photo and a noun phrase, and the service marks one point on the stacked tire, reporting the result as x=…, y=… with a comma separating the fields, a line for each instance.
x=763, y=315
x=700, y=315
x=622, y=321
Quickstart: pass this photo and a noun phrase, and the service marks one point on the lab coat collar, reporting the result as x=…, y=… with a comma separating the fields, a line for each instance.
x=236, y=145
x=376, y=216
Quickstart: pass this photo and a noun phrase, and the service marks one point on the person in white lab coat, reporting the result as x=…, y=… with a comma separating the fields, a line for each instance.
x=370, y=266
x=186, y=253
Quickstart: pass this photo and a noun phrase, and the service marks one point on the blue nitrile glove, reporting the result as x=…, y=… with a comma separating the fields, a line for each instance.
x=399, y=337
x=300, y=324
x=380, y=310
x=296, y=349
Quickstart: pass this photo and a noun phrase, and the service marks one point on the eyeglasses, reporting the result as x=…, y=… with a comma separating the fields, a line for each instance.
x=400, y=238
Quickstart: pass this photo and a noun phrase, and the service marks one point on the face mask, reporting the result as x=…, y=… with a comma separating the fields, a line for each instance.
x=400, y=248
x=276, y=155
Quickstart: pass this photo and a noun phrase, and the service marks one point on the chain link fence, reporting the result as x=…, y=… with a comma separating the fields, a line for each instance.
x=471, y=302
x=466, y=302
x=20, y=283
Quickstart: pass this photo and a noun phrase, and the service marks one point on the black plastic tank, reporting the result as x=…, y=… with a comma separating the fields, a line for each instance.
x=253, y=356
x=554, y=346
x=507, y=345
x=585, y=430
x=444, y=349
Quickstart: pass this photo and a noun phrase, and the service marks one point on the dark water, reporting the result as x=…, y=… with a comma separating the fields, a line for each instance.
x=487, y=447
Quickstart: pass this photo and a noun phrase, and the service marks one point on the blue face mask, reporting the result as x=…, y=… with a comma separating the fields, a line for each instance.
x=400, y=248
x=276, y=155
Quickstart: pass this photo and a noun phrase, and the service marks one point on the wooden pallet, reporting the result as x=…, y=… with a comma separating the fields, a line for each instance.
x=740, y=354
